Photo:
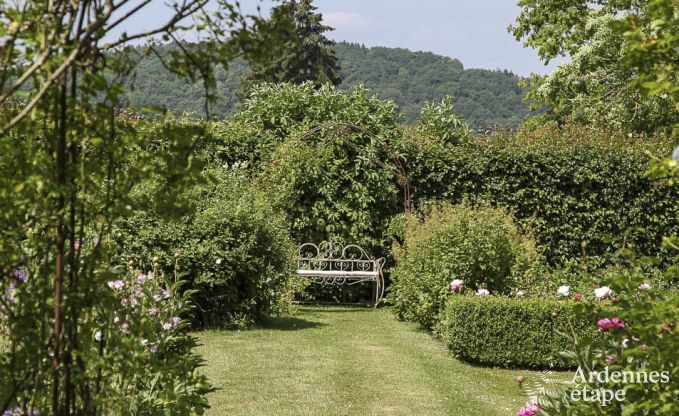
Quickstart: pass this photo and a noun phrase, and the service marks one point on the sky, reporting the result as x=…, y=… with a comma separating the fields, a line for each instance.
x=473, y=31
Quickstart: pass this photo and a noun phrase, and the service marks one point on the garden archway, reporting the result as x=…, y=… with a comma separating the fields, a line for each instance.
x=341, y=129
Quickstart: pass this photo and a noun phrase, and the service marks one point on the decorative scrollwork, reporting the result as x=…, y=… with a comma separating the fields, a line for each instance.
x=330, y=263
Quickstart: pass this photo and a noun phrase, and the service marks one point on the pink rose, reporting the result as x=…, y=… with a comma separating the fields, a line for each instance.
x=605, y=324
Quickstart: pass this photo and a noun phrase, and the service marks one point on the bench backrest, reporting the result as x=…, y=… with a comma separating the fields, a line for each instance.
x=332, y=263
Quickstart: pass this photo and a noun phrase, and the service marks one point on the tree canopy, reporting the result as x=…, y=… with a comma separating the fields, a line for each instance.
x=306, y=54
x=595, y=86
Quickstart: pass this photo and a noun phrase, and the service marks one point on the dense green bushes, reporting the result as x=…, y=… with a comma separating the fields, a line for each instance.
x=509, y=332
x=232, y=245
x=328, y=185
x=568, y=185
x=479, y=245
x=287, y=110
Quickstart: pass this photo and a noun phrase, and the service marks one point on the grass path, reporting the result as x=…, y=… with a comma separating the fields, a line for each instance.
x=348, y=361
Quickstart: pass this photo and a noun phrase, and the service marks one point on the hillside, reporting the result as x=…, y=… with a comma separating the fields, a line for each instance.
x=483, y=97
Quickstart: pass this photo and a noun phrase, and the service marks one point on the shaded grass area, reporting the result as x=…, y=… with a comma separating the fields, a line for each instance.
x=348, y=361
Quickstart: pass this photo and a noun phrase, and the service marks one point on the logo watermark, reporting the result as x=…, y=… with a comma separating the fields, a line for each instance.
x=584, y=381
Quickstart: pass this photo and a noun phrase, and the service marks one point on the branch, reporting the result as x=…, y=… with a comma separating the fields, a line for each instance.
x=185, y=11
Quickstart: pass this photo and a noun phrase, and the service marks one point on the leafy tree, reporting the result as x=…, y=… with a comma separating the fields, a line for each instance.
x=593, y=87
x=306, y=54
x=652, y=54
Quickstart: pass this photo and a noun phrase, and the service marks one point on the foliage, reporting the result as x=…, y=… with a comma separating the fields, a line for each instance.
x=234, y=247
x=440, y=120
x=506, y=332
x=644, y=342
x=286, y=110
x=306, y=54
x=67, y=165
x=335, y=192
x=479, y=245
x=568, y=185
x=308, y=178
x=595, y=86
x=652, y=40
x=134, y=347
x=483, y=97
x=592, y=90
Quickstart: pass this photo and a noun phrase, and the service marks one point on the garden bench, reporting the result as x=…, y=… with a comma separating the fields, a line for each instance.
x=331, y=264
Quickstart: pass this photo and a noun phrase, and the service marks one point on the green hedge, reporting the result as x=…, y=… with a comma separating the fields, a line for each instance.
x=234, y=249
x=507, y=332
x=477, y=244
x=568, y=185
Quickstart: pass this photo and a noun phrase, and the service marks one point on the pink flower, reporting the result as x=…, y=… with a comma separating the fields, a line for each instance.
x=76, y=245
x=175, y=321
x=153, y=349
x=153, y=311
x=644, y=286
x=166, y=294
x=124, y=327
x=605, y=324
x=610, y=359
x=642, y=347
x=456, y=285
x=167, y=326
x=624, y=343
x=529, y=410
x=577, y=296
x=141, y=278
x=157, y=297
x=116, y=284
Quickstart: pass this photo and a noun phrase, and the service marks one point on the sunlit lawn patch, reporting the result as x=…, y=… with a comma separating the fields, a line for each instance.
x=348, y=361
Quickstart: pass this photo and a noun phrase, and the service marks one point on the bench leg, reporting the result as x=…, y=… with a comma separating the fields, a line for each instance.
x=375, y=292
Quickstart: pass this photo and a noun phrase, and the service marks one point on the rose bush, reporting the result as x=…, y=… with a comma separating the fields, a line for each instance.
x=479, y=245
x=135, y=347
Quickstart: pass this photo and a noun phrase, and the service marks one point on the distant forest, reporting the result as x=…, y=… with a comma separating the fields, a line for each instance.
x=483, y=97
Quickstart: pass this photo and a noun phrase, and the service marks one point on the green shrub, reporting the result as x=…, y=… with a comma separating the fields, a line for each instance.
x=332, y=193
x=505, y=332
x=336, y=184
x=440, y=120
x=479, y=245
x=234, y=248
x=287, y=110
x=569, y=185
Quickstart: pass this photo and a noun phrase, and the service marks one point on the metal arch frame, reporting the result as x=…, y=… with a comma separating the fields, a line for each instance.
x=343, y=128
x=329, y=263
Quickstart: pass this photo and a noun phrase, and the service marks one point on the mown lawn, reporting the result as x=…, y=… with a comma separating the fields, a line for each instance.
x=348, y=361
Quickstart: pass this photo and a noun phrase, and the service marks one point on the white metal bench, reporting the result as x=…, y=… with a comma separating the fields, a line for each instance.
x=331, y=264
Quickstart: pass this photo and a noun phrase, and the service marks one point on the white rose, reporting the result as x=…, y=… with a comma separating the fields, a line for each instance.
x=563, y=291
x=602, y=292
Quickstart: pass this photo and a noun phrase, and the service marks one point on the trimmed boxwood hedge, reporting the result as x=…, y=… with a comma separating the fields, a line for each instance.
x=506, y=332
